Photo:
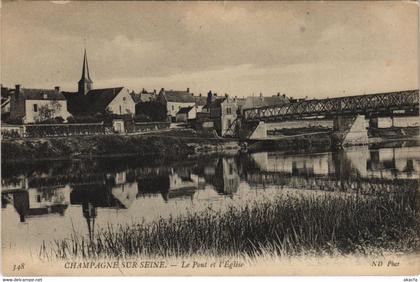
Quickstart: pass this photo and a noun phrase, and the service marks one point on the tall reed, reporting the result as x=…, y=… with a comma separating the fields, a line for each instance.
x=284, y=225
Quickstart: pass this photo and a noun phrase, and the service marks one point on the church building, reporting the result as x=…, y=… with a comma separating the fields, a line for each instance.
x=88, y=101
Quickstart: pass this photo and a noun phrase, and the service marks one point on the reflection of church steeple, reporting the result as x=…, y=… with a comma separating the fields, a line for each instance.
x=89, y=213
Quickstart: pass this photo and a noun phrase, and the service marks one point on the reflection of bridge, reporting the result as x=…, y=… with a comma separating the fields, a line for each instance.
x=362, y=171
x=377, y=104
x=359, y=185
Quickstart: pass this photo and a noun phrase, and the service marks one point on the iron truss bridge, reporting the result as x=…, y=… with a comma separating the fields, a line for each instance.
x=372, y=104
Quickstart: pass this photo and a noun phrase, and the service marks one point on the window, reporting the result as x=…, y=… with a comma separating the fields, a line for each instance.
x=173, y=107
x=124, y=98
x=228, y=111
x=120, y=109
x=35, y=108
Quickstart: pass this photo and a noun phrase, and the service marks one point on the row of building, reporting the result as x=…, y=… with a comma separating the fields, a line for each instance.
x=26, y=105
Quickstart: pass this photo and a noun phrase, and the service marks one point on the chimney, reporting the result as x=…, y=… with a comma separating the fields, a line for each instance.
x=278, y=94
x=226, y=95
x=199, y=94
x=162, y=89
x=188, y=90
x=57, y=89
x=260, y=95
x=154, y=91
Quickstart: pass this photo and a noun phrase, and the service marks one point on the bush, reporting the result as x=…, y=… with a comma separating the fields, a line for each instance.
x=55, y=120
x=71, y=119
x=14, y=121
x=154, y=110
x=85, y=119
x=142, y=118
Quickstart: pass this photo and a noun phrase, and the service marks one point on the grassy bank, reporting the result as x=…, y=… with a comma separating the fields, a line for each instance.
x=281, y=226
x=162, y=144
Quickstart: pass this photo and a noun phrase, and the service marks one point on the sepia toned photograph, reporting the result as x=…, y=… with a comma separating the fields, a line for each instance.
x=221, y=138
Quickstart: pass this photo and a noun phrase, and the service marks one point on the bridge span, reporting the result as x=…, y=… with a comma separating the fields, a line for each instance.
x=348, y=114
x=384, y=104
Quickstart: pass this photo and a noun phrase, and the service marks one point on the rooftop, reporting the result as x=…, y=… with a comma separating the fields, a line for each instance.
x=95, y=101
x=178, y=96
x=41, y=94
x=184, y=110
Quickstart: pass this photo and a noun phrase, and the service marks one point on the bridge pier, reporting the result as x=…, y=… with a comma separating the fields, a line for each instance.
x=260, y=132
x=350, y=131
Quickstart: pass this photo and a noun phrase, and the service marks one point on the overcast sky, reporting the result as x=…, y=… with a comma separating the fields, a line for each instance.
x=314, y=49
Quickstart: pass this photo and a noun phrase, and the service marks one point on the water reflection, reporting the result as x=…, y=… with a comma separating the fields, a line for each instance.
x=34, y=202
x=401, y=163
x=224, y=176
x=92, y=188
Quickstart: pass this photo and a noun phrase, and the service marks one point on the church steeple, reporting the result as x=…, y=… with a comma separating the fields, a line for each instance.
x=85, y=83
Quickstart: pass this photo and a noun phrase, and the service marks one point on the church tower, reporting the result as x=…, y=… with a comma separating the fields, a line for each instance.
x=85, y=83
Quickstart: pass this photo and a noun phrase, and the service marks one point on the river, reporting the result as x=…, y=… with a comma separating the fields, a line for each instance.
x=52, y=200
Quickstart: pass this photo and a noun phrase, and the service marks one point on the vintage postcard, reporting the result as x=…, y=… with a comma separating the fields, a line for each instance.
x=210, y=138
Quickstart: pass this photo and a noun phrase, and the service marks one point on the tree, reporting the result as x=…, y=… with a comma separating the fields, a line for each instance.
x=154, y=110
x=48, y=111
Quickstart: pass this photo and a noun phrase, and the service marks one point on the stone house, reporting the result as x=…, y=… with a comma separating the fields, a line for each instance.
x=186, y=114
x=223, y=112
x=35, y=105
x=175, y=100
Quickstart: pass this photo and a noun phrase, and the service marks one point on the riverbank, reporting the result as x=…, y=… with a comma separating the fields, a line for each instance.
x=174, y=143
x=165, y=144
